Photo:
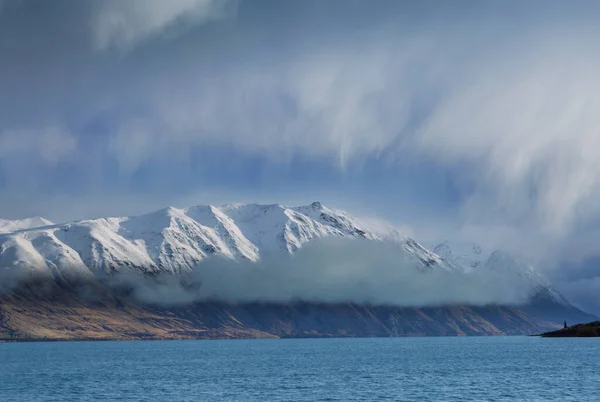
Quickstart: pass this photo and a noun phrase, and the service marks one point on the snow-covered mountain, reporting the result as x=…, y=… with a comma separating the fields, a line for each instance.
x=8, y=226
x=175, y=240
x=472, y=257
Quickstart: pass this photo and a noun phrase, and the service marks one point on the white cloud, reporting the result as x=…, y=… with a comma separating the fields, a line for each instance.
x=49, y=145
x=132, y=144
x=125, y=23
x=329, y=104
x=331, y=271
x=531, y=132
x=524, y=134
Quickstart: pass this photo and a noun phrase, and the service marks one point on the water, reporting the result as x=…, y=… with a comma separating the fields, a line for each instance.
x=451, y=369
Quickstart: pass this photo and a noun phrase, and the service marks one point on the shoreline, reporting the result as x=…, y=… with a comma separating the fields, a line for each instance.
x=587, y=330
x=29, y=340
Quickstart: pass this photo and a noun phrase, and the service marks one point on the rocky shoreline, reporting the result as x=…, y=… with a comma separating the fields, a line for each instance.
x=589, y=330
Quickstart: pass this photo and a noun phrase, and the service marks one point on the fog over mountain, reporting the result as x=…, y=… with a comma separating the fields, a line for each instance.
x=467, y=121
x=267, y=253
x=334, y=271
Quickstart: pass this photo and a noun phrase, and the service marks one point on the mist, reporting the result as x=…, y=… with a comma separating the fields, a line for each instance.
x=330, y=271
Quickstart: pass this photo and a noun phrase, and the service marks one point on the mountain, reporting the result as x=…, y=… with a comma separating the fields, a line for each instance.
x=24, y=317
x=176, y=240
x=43, y=266
x=471, y=257
x=8, y=226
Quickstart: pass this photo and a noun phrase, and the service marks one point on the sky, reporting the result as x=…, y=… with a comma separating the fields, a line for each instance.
x=470, y=119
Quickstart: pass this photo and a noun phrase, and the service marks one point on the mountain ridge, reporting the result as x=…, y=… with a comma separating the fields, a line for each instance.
x=12, y=225
x=174, y=240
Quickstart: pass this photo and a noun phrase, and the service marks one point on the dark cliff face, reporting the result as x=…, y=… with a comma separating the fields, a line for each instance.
x=67, y=313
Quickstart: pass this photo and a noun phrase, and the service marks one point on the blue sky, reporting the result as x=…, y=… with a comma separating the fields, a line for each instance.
x=470, y=119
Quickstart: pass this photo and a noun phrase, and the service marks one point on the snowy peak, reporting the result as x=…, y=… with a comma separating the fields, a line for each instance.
x=8, y=226
x=467, y=256
x=175, y=240
x=334, y=218
x=277, y=227
x=471, y=257
x=223, y=228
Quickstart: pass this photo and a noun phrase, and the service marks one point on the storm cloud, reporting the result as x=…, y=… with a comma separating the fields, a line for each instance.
x=476, y=119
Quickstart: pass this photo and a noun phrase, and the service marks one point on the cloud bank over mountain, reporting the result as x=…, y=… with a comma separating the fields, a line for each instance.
x=325, y=271
x=331, y=271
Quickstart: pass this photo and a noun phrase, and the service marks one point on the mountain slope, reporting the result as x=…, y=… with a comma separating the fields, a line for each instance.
x=8, y=226
x=27, y=314
x=176, y=240
x=472, y=257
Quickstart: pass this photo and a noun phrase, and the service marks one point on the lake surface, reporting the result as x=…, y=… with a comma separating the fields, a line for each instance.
x=451, y=369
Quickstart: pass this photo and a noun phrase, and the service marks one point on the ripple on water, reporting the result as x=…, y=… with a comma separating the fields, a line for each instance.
x=448, y=369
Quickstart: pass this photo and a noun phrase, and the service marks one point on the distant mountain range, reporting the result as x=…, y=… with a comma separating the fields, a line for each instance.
x=472, y=257
x=174, y=241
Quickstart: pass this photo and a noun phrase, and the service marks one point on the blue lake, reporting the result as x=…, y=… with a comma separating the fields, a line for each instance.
x=451, y=369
